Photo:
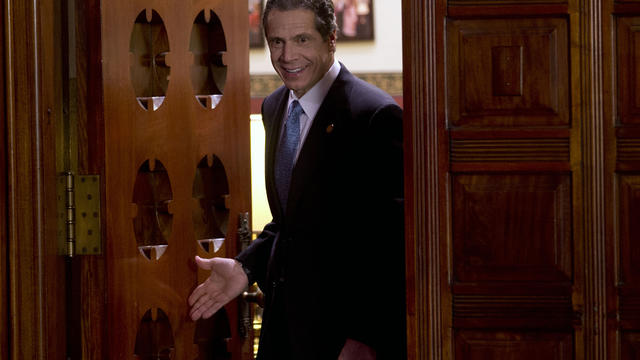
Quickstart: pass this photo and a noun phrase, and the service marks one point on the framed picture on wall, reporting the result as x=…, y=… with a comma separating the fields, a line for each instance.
x=256, y=39
x=355, y=19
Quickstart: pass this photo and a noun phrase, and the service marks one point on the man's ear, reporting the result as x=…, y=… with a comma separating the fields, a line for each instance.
x=332, y=41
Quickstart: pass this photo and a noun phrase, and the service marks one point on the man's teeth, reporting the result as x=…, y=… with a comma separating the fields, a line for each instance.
x=293, y=71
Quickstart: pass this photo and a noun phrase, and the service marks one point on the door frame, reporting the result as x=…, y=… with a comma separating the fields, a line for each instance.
x=4, y=269
x=34, y=270
x=425, y=180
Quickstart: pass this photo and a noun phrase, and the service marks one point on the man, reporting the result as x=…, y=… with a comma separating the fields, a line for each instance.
x=331, y=262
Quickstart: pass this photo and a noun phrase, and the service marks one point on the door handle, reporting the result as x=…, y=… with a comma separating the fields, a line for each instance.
x=256, y=297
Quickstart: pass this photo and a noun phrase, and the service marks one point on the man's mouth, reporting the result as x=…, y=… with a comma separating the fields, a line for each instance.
x=294, y=71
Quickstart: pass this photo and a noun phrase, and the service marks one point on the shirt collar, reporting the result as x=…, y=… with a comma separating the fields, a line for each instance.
x=313, y=98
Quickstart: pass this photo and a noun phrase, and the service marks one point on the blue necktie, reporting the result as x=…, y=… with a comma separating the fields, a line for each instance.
x=287, y=152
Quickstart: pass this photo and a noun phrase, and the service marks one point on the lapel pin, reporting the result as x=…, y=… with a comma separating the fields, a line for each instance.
x=330, y=128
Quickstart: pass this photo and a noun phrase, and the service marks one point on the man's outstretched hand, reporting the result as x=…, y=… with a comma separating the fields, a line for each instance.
x=227, y=280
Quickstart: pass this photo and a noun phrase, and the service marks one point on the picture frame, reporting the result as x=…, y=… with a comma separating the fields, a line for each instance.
x=355, y=19
x=256, y=37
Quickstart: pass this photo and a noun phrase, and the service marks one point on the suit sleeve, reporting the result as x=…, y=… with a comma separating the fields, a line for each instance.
x=381, y=244
x=254, y=259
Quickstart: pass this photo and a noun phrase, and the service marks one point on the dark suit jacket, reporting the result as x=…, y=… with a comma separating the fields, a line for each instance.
x=332, y=266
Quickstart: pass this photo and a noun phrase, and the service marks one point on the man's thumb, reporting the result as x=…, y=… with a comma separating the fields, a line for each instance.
x=204, y=264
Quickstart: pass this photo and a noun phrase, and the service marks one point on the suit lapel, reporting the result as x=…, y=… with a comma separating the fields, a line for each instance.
x=272, y=146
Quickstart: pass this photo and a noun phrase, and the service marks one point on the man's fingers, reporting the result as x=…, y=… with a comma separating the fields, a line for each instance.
x=201, y=306
x=211, y=310
x=197, y=294
x=206, y=310
x=217, y=289
x=206, y=286
x=199, y=301
x=204, y=291
x=195, y=314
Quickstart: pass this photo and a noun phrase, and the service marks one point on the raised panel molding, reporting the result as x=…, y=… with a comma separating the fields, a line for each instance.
x=628, y=150
x=628, y=231
x=513, y=345
x=507, y=73
x=509, y=150
x=512, y=228
x=628, y=47
x=502, y=2
x=500, y=311
x=630, y=310
x=630, y=345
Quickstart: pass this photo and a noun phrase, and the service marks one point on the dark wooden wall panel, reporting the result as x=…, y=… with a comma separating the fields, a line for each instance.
x=629, y=213
x=512, y=250
x=628, y=48
x=629, y=229
x=513, y=228
x=509, y=150
x=512, y=195
x=624, y=169
x=471, y=345
x=530, y=97
x=521, y=311
x=507, y=73
x=503, y=3
x=630, y=345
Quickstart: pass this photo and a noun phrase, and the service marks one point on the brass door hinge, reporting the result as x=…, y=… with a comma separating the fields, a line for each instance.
x=79, y=231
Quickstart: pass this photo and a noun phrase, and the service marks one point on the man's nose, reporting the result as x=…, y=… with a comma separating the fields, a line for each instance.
x=289, y=53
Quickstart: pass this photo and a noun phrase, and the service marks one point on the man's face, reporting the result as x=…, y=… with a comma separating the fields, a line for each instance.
x=298, y=53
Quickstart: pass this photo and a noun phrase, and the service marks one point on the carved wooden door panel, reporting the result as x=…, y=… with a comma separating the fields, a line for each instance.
x=623, y=177
x=514, y=290
x=525, y=178
x=177, y=170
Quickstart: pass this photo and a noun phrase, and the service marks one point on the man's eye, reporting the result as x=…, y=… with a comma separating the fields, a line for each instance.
x=303, y=39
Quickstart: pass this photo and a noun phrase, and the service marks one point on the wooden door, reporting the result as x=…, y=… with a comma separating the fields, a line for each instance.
x=173, y=176
x=514, y=287
x=522, y=178
x=622, y=134
x=177, y=170
x=86, y=60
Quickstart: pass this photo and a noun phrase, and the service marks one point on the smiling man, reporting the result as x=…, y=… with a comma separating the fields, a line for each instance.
x=299, y=53
x=331, y=262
